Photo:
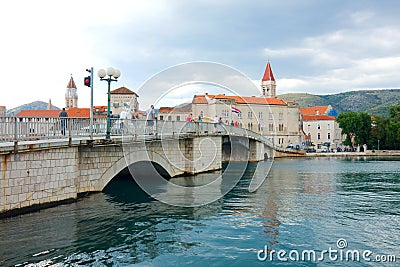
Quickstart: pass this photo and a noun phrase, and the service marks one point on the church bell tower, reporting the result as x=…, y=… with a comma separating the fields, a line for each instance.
x=71, y=95
x=268, y=84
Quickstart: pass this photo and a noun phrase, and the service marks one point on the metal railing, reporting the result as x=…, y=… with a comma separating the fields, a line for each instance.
x=15, y=129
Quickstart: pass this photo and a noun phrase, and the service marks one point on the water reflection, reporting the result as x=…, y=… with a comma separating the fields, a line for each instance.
x=303, y=204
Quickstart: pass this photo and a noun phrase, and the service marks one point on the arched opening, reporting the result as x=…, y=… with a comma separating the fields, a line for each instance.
x=125, y=188
x=234, y=151
x=266, y=156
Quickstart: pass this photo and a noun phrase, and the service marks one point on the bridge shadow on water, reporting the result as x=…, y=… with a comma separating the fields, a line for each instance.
x=124, y=188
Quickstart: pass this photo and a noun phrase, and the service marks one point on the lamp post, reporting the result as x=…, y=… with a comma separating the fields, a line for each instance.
x=111, y=73
x=378, y=144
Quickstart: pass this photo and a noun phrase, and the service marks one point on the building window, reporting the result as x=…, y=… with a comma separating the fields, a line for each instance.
x=178, y=118
x=271, y=127
x=329, y=136
x=116, y=104
x=202, y=114
x=319, y=136
x=170, y=118
x=319, y=126
x=239, y=115
x=280, y=127
x=271, y=116
x=280, y=116
x=260, y=115
x=161, y=117
x=329, y=126
x=249, y=115
x=309, y=127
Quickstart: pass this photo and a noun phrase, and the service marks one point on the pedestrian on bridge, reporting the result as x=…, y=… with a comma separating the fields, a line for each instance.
x=63, y=121
x=150, y=119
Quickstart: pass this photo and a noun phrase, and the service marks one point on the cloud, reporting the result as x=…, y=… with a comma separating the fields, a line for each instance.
x=348, y=58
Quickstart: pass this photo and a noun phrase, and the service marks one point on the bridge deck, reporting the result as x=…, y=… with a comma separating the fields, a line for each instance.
x=40, y=133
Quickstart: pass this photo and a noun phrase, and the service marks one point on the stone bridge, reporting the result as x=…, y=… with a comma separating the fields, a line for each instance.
x=48, y=171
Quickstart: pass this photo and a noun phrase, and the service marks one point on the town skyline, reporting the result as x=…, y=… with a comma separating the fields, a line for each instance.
x=314, y=47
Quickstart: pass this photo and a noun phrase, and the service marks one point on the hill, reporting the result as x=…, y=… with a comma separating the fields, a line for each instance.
x=36, y=105
x=374, y=102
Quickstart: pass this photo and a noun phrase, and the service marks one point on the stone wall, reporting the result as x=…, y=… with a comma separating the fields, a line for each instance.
x=53, y=173
x=38, y=177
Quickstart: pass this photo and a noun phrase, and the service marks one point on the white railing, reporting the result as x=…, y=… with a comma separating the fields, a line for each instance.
x=15, y=129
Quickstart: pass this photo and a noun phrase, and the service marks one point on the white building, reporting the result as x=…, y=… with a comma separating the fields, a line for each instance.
x=320, y=127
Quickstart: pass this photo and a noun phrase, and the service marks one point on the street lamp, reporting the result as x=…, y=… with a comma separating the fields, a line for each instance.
x=111, y=73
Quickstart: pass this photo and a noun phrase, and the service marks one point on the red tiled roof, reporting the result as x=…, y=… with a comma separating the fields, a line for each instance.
x=72, y=113
x=318, y=118
x=123, y=91
x=71, y=83
x=165, y=110
x=314, y=110
x=39, y=113
x=200, y=99
x=178, y=109
x=268, y=75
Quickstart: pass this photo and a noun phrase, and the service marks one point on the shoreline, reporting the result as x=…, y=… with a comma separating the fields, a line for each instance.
x=368, y=153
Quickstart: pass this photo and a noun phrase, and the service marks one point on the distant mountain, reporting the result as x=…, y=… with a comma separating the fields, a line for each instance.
x=374, y=102
x=37, y=105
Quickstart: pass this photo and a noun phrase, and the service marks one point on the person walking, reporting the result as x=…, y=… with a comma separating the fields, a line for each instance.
x=63, y=121
x=151, y=117
x=216, y=121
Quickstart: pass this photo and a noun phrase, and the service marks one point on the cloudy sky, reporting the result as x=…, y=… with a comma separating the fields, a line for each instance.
x=320, y=47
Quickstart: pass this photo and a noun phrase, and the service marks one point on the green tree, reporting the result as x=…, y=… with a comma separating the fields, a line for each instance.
x=394, y=113
x=393, y=138
x=378, y=132
x=357, y=125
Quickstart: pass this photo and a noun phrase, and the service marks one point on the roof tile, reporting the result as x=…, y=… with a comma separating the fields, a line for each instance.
x=318, y=118
x=315, y=110
x=200, y=99
x=123, y=91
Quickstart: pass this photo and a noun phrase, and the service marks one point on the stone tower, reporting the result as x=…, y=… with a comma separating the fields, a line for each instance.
x=268, y=84
x=71, y=95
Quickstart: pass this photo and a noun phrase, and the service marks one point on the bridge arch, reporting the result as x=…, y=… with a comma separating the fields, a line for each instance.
x=135, y=157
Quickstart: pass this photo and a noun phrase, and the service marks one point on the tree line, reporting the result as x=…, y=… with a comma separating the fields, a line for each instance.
x=362, y=128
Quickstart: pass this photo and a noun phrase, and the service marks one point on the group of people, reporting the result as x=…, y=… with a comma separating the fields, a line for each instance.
x=151, y=120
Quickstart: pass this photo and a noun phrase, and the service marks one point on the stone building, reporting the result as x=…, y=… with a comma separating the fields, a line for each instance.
x=177, y=113
x=71, y=95
x=272, y=117
x=123, y=98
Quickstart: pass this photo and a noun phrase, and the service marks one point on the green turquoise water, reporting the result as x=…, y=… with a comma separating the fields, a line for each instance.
x=304, y=204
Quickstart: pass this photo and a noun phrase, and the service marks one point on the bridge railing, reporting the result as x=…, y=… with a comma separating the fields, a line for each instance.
x=14, y=129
